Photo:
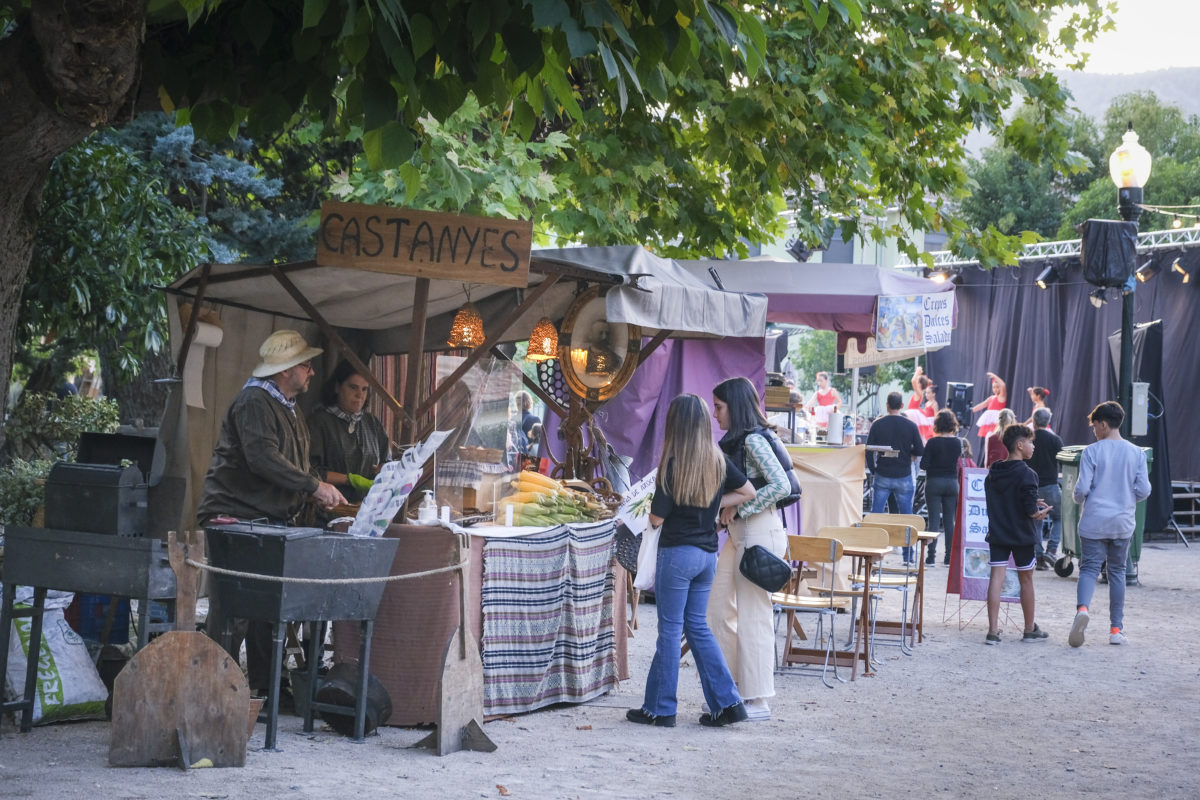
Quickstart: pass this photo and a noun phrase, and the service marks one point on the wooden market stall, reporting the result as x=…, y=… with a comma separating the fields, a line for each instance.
x=359, y=302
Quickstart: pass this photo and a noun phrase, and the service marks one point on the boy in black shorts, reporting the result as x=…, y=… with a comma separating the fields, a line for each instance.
x=1015, y=514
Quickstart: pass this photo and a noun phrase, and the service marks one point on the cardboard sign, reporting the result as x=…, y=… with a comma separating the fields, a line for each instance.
x=634, y=513
x=974, y=552
x=425, y=244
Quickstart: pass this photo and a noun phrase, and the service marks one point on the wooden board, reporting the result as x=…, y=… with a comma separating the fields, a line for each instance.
x=180, y=700
x=425, y=244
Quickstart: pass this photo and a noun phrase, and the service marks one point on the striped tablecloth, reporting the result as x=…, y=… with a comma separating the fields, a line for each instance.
x=548, y=634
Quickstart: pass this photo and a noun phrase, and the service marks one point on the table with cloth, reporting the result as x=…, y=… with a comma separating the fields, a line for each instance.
x=832, y=482
x=546, y=606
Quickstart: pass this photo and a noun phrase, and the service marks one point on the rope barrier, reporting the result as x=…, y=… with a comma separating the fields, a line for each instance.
x=328, y=581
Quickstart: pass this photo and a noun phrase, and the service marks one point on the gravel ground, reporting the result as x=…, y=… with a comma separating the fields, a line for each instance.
x=956, y=719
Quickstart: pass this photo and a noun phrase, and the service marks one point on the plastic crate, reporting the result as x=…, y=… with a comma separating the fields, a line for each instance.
x=92, y=610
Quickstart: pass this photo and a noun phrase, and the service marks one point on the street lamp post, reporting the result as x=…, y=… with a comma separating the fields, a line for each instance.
x=1129, y=167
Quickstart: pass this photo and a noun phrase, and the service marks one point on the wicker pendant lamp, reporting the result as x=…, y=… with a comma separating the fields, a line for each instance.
x=543, y=341
x=466, y=332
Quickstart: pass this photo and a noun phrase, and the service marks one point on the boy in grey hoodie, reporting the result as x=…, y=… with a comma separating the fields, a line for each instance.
x=1015, y=514
x=1112, y=480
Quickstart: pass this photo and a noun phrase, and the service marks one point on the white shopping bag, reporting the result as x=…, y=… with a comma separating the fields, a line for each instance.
x=647, y=559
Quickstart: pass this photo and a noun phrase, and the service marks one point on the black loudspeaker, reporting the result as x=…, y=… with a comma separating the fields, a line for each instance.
x=1108, y=249
x=959, y=398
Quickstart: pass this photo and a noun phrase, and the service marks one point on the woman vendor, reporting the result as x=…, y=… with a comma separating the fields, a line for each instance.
x=348, y=443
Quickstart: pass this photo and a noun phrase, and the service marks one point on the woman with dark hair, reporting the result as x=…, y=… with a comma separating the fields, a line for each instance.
x=348, y=443
x=739, y=611
x=940, y=462
x=695, y=480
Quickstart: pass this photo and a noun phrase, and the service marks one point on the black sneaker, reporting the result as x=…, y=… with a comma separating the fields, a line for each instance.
x=643, y=718
x=735, y=713
x=992, y=638
x=1035, y=635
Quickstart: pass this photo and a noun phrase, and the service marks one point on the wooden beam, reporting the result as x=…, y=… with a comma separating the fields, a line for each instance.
x=652, y=345
x=189, y=332
x=532, y=386
x=333, y=336
x=414, y=375
x=487, y=345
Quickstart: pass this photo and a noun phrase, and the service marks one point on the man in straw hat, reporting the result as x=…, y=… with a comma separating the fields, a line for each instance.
x=261, y=469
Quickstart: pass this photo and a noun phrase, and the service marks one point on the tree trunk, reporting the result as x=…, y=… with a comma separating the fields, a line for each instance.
x=141, y=400
x=69, y=67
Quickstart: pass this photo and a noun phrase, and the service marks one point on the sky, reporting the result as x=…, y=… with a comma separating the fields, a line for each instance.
x=1149, y=35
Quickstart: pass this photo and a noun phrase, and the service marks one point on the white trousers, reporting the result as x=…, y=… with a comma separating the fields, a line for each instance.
x=739, y=612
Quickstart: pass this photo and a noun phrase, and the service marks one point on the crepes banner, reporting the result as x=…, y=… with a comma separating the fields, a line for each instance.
x=922, y=321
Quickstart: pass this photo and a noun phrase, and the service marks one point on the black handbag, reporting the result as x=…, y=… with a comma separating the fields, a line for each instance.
x=763, y=568
x=628, y=545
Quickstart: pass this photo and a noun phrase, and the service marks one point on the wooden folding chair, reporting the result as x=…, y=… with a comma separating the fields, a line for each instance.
x=845, y=586
x=902, y=532
x=813, y=550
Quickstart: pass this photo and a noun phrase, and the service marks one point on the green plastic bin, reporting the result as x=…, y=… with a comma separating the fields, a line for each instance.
x=1068, y=460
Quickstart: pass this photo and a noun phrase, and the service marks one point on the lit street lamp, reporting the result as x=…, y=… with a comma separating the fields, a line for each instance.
x=1129, y=166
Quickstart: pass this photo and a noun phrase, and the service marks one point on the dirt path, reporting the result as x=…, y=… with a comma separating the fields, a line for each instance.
x=957, y=719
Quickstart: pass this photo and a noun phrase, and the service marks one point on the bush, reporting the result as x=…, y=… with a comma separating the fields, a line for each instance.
x=22, y=488
x=42, y=426
x=41, y=430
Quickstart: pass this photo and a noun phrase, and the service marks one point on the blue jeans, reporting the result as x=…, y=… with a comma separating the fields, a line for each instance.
x=1053, y=496
x=882, y=487
x=941, y=499
x=682, y=581
x=1095, y=552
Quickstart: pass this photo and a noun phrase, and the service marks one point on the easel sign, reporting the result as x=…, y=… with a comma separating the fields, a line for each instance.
x=975, y=553
x=425, y=244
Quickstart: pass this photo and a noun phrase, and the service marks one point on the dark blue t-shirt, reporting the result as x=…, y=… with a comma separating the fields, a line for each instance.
x=692, y=525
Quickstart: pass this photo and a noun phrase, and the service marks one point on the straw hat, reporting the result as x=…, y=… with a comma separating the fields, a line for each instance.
x=283, y=350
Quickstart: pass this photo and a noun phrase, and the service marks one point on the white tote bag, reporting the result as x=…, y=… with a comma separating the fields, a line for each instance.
x=647, y=559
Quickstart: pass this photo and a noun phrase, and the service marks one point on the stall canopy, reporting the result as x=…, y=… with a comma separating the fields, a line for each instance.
x=830, y=297
x=655, y=293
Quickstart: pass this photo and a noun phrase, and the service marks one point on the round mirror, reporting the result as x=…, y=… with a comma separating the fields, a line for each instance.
x=597, y=357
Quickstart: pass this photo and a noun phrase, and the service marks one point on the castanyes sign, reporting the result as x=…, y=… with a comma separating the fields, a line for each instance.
x=425, y=244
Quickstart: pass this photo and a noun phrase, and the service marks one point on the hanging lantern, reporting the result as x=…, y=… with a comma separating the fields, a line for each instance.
x=543, y=341
x=466, y=332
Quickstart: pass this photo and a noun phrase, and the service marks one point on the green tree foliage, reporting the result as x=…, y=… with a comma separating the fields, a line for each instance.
x=1014, y=194
x=1173, y=140
x=470, y=163
x=690, y=123
x=108, y=235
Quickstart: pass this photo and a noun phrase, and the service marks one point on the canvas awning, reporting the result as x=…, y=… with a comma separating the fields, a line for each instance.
x=832, y=297
x=655, y=293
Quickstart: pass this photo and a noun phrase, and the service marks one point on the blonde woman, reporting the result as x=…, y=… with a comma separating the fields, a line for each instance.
x=695, y=480
x=995, y=449
x=739, y=611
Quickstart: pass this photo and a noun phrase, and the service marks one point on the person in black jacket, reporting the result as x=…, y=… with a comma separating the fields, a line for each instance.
x=1015, y=514
x=940, y=462
x=1046, y=446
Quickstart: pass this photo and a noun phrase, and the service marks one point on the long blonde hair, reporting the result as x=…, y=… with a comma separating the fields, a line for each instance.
x=697, y=466
x=1005, y=418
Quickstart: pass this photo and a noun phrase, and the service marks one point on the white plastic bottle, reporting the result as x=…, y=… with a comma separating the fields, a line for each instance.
x=427, y=512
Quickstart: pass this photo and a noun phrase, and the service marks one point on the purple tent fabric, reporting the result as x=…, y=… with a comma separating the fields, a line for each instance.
x=633, y=421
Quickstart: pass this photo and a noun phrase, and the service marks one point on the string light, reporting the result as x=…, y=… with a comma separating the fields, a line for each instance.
x=1176, y=222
